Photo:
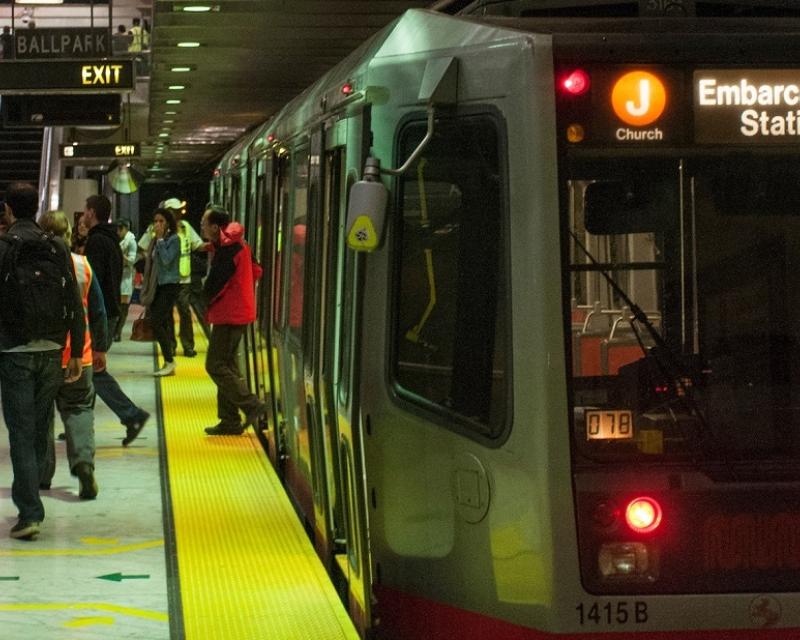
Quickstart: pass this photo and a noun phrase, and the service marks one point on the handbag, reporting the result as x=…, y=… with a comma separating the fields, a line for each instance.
x=142, y=329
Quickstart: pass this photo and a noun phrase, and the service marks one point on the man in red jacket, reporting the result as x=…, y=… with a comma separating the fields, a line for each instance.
x=230, y=292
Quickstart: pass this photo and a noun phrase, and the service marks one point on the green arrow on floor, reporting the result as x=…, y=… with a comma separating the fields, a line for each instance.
x=118, y=577
x=9, y=577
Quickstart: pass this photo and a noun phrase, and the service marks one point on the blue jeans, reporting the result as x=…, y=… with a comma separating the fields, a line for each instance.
x=29, y=383
x=109, y=391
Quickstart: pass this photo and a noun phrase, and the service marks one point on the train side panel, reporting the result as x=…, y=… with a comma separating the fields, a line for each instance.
x=462, y=514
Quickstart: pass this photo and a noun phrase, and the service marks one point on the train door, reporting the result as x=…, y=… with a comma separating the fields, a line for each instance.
x=349, y=140
x=325, y=180
x=260, y=239
x=249, y=220
x=279, y=177
x=313, y=286
x=290, y=347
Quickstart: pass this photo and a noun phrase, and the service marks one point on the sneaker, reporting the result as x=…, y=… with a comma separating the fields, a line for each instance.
x=86, y=481
x=134, y=428
x=62, y=436
x=25, y=530
x=189, y=353
x=252, y=417
x=44, y=486
x=223, y=429
x=167, y=370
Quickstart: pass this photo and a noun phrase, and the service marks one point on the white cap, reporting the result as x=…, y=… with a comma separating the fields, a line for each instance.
x=173, y=203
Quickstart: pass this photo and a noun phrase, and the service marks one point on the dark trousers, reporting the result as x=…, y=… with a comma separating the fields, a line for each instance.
x=222, y=365
x=75, y=403
x=120, y=323
x=29, y=382
x=190, y=298
x=160, y=312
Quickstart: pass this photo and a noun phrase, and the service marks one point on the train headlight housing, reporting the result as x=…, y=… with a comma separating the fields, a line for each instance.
x=628, y=560
x=643, y=515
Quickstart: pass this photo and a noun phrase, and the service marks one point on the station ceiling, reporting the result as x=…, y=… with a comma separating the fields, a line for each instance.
x=253, y=57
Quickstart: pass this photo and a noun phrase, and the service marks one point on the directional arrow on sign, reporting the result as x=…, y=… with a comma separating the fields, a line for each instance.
x=118, y=577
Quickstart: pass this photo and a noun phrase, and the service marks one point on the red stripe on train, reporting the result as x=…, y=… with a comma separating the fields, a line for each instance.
x=406, y=617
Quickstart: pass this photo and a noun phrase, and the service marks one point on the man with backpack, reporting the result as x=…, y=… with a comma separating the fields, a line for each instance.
x=39, y=305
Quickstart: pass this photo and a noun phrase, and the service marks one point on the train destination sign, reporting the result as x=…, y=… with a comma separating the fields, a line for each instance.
x=67, y=76
x=123, y=150
x=62, y=43
x=747, y=106
x=635, y=105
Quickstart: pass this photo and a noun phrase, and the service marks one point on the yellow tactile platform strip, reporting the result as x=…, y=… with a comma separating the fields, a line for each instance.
x=245, y=565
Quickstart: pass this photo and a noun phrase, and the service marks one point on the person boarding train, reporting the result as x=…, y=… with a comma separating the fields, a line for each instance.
x=230, y=292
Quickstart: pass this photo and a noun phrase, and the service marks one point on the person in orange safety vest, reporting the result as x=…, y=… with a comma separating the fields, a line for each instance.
x=75, y=400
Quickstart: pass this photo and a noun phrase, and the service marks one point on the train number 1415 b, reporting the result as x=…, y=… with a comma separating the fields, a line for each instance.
x=621, y=612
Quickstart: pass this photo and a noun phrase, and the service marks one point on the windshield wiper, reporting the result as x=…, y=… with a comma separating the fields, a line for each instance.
x=662, y=351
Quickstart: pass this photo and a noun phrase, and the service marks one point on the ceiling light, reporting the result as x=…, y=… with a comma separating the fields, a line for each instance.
x=170, y=113
x=163, y=135
x=197, y=8
x=176, y=87
x=40, y=1
x=167, y=122
x=189, y=45
x=173, y=101
x=180, y=69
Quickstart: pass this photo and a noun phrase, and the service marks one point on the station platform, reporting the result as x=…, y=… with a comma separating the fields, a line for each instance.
x=191, y=536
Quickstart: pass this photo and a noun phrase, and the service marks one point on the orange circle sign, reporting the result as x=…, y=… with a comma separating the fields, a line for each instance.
x=639, y=98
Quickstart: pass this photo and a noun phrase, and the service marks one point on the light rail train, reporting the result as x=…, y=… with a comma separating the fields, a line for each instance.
x=530, y=319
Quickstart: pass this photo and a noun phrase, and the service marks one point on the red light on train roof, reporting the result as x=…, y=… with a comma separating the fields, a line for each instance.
x=347, y=89
x=217, y=173
x=576, y=83
x=643, y=515
x=271, y=138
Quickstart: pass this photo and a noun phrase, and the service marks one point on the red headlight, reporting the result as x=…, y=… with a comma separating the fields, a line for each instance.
x=643, y=515
x=576, y=83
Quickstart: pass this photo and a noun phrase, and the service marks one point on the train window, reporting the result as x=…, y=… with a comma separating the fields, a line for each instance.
x=347, y=316
x=282, y=202
x=697, y=360
x=632, y=206
x=449, y=323
x=297, y=239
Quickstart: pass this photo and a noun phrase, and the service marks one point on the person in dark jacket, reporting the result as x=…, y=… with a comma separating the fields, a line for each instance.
x=230, y=292
x=105, y=257
x=31, y=374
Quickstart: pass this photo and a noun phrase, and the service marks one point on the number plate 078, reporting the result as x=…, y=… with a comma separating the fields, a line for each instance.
x=609, y=425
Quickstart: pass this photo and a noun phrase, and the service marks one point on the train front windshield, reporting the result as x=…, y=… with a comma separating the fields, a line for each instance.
x=684, y=278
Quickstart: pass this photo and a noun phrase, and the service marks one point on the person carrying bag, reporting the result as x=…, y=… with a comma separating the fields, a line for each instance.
x=142, y=327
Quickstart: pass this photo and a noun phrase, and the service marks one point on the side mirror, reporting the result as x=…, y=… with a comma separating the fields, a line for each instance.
x=366, y=210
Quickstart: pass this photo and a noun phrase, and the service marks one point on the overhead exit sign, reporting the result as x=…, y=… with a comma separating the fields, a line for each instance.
x=66, y=76
x=78, y=150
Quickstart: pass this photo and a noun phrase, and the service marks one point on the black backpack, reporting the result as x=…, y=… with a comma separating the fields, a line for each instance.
x=36, y=289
